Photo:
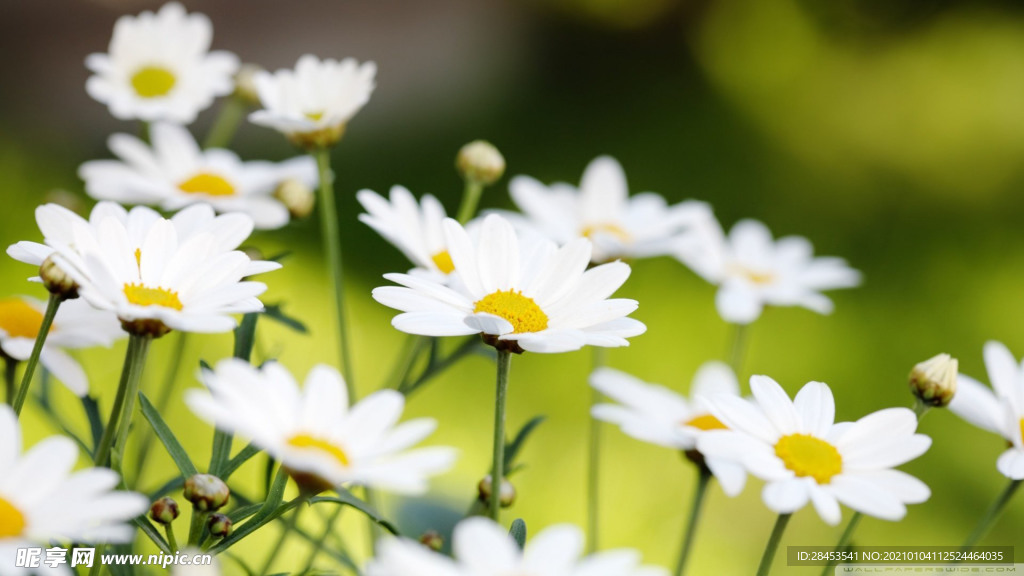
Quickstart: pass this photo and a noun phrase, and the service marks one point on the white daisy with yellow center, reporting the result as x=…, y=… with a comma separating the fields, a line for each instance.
x=77, y=325
x=414, y=228
x=312, y=103
x=999, y=409
x=656, y=414
x=159, y=67
x=43, y=501
x=601, y=209
x=482, y=547
x=61, y=226
x=175, y=172
x=157, y=275
x=524, y=295
x=803, y=455
x=314, y=433
x=753, y=270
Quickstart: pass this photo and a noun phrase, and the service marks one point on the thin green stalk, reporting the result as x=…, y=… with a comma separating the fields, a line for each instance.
x=332, y=246
x=738, y=348
x=231, y=114
x=163, y=400
x=773, y=545
x=10, y=374
x=497, y=470
x=171, y=540
x=993, y=513
x=195, y=529
x=703, y=479
x=469, y=345
x=127, y=389
x=920, y=409
x=410, y=353
x=844, y=540
x=599, y=358
x=470, y=200
x=290, y=524
x=44, y=330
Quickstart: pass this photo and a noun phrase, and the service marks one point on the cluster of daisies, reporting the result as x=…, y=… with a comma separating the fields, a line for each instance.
x=542, y=280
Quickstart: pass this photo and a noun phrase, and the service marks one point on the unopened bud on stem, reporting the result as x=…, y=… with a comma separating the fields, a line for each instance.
x=245, y=84
x=480, y=162
x=220, y=525
x=164, y=511
x=934, y=380
x=56, y=280
x=431, y=539
x=506, y=496
x=296, y=197
x=206, y=492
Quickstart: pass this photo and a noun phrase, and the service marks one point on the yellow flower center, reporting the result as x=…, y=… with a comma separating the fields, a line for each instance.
x=521, y=311
x=153, y=81
x=315, y=116
x=12, y=522
x=20, y=320
x=705, y=422
x=806, y=455
x=207, y=183
x=313, y=443
x=443, y=261
x=1022, y=428
x=608, y=228
x=144, y=296
x=755, y=276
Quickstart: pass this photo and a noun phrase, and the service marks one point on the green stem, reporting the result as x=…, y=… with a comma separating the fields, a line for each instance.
x=290, y=524
x=470, y=200
x=844, y=540
x=127, y=389
x=920, y=409
x=738, y=348
x=44, y=330
x=10, y=374
x=599, y=359
x=703, y=479
x=231, y=114
x=773, y=545
x=171, y=540
x=195, y=529
x=163, y=400
x=410, y=353
x=469, y=345
x=332, y=246
x=993, y=513
x=497, y=470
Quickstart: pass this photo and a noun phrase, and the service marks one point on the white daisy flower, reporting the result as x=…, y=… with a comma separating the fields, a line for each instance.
x=482, y=547
x=175, y=172
x=159, y=67
x=800, y=452
x=414, y=228
x=60, y=225
x=42, y=501
x=313, y=432
x=524, y=295
x=77, y=325
x=999, y=409
x=312, y=103
x=601, y=209
x=157, y=274
x=752, y=270
x=656, y=414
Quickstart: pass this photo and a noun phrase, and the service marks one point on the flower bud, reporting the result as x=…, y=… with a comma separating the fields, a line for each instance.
x=245, y=84
x=505, y=498
x=220, y=525
x=480, y=162
x=164, y=511
x=431, y=539
x=296, y=197
x=56, y=280
x=206, y=492
x=934, y=380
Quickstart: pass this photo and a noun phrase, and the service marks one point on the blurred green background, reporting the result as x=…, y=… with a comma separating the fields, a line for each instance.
x=889, y=133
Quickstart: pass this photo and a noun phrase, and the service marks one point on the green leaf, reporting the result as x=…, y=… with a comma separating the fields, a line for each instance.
x=149, y=530
x=518, y=532
x=513, y=448
x=92, y=412
x=221, y=452
x=170, y=486
x=235, y=463
x=276, y=313
x=245, y=336
x=163, y=432
x=346, y=498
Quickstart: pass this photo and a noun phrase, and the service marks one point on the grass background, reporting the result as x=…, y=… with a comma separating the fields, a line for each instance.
x=888, y=133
